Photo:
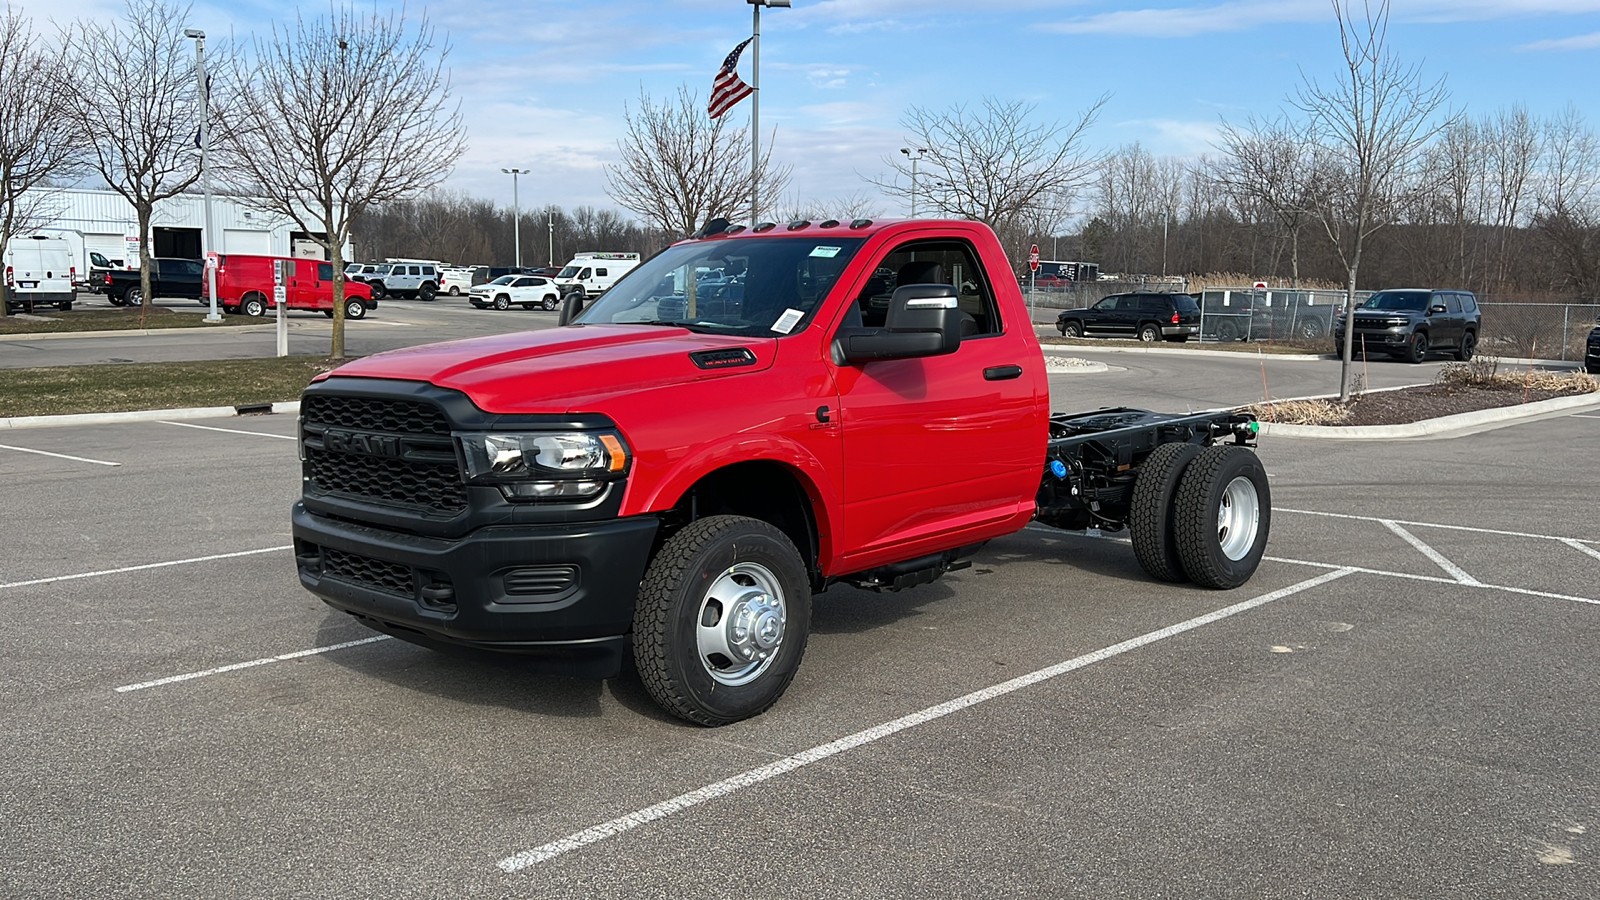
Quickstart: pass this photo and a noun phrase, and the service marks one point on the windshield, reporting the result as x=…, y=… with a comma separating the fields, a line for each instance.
x=768, y=287
x=504, y=279
x=1416, y=301
x=569, y=272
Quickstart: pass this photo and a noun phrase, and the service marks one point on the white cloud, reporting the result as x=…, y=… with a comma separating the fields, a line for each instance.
x=1246, y=15
x=1171, y=137
x=1559, y=45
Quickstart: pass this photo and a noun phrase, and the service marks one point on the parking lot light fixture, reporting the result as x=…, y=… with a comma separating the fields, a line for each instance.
x=516, y=213
x=908, y=152
x=207, y=235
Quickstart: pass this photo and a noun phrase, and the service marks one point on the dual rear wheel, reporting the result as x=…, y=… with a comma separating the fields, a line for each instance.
x=1201, y=514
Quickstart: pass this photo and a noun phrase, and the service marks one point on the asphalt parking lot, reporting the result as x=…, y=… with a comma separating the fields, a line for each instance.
x=1398, y=705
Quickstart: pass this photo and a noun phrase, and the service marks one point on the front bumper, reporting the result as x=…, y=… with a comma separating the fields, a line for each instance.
x=565, y=591
x=1387, y=340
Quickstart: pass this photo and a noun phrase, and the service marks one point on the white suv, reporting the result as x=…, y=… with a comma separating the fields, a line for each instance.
x=410, y=280
x=527, y=290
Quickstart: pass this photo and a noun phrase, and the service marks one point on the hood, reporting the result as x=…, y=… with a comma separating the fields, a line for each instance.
x=1389, y=313
x=561, y=370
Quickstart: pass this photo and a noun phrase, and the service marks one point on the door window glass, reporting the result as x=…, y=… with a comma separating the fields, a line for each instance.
x=324, y=271
x=951, y=262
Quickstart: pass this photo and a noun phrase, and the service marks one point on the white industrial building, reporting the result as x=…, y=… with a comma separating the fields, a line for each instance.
x=102, y=221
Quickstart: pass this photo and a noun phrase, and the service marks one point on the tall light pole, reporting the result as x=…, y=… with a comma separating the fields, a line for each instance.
x=207, y=235
x=516, y=212
x=552, y=238
x=755, y=101
x=908, y=151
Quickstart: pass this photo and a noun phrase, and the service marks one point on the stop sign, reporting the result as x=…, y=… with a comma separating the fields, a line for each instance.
x=1033, y=258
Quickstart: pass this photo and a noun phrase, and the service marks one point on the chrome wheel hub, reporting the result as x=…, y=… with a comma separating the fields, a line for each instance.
x=1238, y=518
x=741, y=623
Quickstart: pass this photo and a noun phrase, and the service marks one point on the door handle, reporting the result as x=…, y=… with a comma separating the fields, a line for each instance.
x=1002, y=373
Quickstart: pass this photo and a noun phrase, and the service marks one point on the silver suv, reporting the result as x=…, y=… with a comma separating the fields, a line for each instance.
x=410, y=280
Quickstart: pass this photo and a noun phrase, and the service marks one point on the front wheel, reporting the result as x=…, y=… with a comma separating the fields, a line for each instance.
x=502, y=302
x=1149, y=334
x=1221, y=516
x=1071, y=328
x=722, y=619
x=355, y=309
x=254, y=306
x=378, y=290
x=1417, y=350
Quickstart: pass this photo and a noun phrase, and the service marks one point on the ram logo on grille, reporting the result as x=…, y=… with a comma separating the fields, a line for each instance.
x=364, y=444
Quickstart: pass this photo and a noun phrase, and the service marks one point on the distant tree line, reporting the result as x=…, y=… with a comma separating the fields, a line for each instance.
x=466, y=230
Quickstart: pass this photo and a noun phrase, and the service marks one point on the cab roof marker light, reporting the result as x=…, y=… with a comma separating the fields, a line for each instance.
x=830, y=223
x=735, y=229
x=764, y=226
x=798, y=224
x=860, y=223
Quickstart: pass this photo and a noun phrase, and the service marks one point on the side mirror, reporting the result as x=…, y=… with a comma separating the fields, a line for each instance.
x=571, y=305
x=923, y=320
x=1436, y=308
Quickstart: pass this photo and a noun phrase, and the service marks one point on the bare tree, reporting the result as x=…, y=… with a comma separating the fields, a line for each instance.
x=680, y=168
x=1277, y=164
x=37, y=138
x=1374, y=121
x=1568, y=215
x=1512, y=143
x=343, y=112
x=134, y=89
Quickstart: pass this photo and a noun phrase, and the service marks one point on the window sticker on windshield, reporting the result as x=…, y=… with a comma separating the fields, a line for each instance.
x=788, y=320
x=825, y=252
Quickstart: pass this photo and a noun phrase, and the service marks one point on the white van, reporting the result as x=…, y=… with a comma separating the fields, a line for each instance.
x=595, y=273
x=39, y=272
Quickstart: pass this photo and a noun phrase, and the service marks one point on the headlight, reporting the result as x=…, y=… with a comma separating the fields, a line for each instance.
x=545, y=466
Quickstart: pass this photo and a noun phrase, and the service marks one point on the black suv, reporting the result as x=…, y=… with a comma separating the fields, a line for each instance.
x=1149, y=317
x=1410, y=323
x=1591, y=356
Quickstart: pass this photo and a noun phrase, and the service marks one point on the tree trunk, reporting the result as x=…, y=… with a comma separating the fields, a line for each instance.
x=1349, y=334
x=5, y=292
x=147, y=302
x=1294, y=257
x=336, y=252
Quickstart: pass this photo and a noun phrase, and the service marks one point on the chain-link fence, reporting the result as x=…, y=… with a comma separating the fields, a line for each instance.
x=1270, y=315
x=1536, y=330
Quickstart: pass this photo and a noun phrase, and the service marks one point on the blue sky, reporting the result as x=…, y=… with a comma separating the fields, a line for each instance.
x=543, y=84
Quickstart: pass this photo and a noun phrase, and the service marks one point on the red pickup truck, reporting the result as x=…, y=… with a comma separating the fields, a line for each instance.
x=675, y=471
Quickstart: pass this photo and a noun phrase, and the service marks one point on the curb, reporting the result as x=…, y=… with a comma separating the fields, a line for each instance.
x=1444, y=426
x=1092, y=367
x=138, y=332
x=148, y=415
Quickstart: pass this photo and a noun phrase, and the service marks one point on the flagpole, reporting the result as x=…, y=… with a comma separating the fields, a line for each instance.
x=755, y=113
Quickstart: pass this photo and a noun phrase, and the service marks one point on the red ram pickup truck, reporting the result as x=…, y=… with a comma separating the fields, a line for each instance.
x=748, y=417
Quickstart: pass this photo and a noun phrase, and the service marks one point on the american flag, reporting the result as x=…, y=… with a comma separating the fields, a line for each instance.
x=728, y=88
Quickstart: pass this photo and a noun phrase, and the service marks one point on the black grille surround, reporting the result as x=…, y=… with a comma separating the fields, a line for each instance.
x=393, y=452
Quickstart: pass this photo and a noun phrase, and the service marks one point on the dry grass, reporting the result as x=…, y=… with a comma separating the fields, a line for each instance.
x=61, y=390
x=54, y=321
x=1488, y=372
x=1198, y=283
x=1301, y=412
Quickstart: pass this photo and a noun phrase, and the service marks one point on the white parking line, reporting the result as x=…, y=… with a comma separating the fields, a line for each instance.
x=281, y=437
x=233, y=667
x=1580, y=547
x=1455, y=571
x=160, y=565
x=1524, y=534
x=98, y=462
x=581, y=839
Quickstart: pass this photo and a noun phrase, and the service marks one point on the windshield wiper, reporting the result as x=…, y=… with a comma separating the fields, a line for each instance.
x=696, y=326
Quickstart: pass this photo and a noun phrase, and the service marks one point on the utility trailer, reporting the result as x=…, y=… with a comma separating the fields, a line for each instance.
x=1189, y=489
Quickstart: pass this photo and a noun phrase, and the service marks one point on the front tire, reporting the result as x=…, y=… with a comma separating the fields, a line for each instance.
x=1072, y=328
x=1417, y=350
x=1150, y=514
x=378, y=290
x=722, y=619
x=254, y=305
x=502, y=302
x=355, y=309
x=1221, y=516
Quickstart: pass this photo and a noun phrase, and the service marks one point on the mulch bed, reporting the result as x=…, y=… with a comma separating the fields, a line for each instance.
x=1415, y=404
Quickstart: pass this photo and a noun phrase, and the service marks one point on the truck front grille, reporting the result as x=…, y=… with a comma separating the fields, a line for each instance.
x=396, y=453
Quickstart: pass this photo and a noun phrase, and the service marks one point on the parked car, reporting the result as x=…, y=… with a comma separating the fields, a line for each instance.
x=39, y=272
x=169, y=277
x=528, y=291
x=1591, y=356
x=245, y=283
x=1411, y=323
x=418, y=281
x=457, y=280
x=1150, y=317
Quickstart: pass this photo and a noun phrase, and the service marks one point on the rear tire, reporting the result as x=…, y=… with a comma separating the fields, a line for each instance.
x=64, y=306
x=1309, y=329
x=548, y=304
x=1469, y=346
x=722, y=619
x=1227, y=332
x=1221, y=516
x=1150, y=514
x=1149, y=334
x=455, y=291
x=427, y=292
x=133, y=296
